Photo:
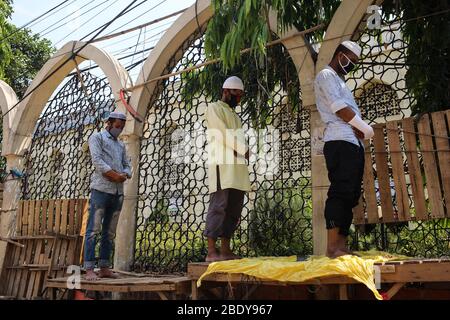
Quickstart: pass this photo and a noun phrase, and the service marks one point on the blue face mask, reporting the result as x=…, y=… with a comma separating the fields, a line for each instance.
x=115, y=132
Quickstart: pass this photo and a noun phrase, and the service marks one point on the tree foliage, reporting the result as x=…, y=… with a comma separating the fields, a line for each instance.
x=239, y=24
x=428, y=56
x=22, y=53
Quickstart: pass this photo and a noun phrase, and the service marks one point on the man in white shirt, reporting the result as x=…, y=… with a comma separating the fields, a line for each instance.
x=343, y=150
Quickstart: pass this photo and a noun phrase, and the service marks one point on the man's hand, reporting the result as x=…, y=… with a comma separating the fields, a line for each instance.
x=358, y=133
x=113, y=176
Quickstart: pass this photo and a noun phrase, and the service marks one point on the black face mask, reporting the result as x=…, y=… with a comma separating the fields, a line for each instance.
x=349, y=66
x=233, y=102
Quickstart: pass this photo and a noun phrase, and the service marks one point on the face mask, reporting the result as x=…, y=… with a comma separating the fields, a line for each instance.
x=233, y=102
x=348, y=67
x=115, y=132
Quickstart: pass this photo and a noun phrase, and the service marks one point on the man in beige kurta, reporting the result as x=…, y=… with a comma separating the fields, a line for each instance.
x=228, y=175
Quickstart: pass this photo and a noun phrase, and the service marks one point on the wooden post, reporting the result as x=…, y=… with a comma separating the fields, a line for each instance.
x=343, y=293
x=194, y=290
x=320, y=184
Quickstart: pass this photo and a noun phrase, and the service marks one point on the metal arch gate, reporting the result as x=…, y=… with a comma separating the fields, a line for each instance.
x=173, y=195
x=57, y=163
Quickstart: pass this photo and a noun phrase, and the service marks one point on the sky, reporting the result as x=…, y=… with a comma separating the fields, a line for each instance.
x=77, y=18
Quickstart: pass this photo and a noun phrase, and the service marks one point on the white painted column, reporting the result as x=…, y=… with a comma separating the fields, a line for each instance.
x=126, y=229
x=11, y=197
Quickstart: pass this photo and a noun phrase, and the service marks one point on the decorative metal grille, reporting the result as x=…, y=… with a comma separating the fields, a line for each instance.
x=174, y=198
x=380, y=88
x=58, y=163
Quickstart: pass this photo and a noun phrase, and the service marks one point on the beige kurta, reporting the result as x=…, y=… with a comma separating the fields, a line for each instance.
x=225, y=135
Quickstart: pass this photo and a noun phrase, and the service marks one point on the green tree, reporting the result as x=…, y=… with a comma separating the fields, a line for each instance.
x=30, y=53
x=5, y=51
x=239, y=24
x=22, y=53
x=428, y=57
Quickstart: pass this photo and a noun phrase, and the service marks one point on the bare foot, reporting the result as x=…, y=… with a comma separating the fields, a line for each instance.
x=336, y=253
x=229, y=256
x=212, y=257
x=107, y=273
x=91, y=275
x=351, y=252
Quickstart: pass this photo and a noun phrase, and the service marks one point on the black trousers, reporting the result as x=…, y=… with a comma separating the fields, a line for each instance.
x=224, y=212
x=345, y=165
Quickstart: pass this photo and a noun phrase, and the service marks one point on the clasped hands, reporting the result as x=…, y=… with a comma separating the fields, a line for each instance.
x=114, y=176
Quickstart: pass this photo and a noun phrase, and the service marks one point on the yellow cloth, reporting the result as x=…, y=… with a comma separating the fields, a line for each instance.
x=225, y=135
x=288, y=269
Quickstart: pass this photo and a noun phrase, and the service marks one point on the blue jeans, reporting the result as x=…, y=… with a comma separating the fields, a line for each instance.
x=103, y=217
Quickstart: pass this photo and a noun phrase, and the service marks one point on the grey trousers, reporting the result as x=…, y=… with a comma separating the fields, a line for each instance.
x=224, y=212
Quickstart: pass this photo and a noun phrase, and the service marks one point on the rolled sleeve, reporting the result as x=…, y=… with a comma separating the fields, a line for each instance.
x=329, y=89
x=95, y=149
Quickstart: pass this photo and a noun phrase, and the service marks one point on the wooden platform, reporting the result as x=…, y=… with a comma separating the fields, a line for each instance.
x=394, y=272
x=166, y=287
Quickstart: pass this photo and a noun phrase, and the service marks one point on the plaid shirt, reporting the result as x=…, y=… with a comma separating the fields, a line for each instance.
x=107, y=154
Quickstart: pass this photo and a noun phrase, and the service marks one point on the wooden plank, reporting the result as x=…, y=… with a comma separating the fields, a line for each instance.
x=429, y=163
x=24, y=227
x=49, y=235
x=38, y=284
x=25, y=274
x=37, y=217
x=63, y=229
x=84, y=222
x=358, y=212
x=343, y=292
x=20, y=206
x=398, y=172
x=56, y=246
x=408, y=272
x=64, y=216
x=21, y=259
x=31, y=213
x=50, y=215
x=57, y=224
x=442, y=145
x=4, y=272
x=11, y=276
x=35, y=255
x=369, y=186
x=48, y=260
x=33, y=274
x=415, y=174
x=381, y=161
x=72, y=244
x=71, y=228
x=43, y=222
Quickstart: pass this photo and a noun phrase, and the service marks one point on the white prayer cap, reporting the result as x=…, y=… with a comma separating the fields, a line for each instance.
x=117, y=115
x=353, y=47
x=233, y=83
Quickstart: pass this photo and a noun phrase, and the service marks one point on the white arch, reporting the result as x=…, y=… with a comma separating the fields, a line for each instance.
x=30, y=108
x=8, y=99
